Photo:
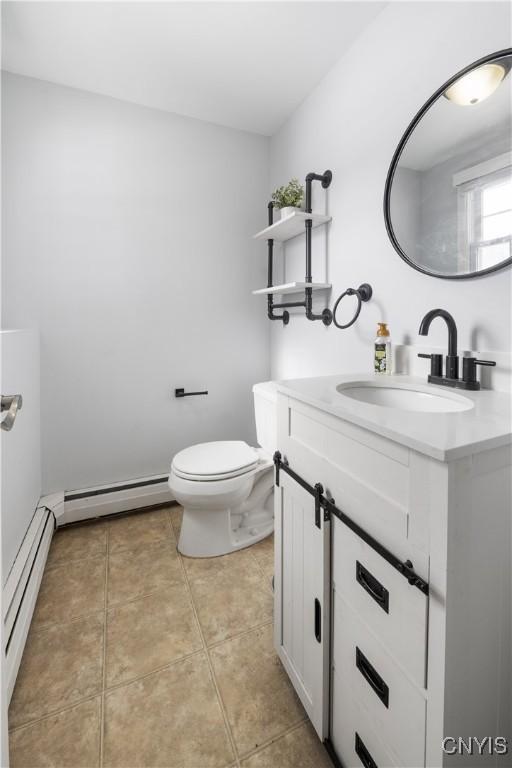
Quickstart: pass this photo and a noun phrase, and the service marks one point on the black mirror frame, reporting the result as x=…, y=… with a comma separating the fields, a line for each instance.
x=396, y=157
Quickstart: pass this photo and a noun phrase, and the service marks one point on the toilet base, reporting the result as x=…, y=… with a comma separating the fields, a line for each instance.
x=223, y=516
x=220, y=538
x=213, y=532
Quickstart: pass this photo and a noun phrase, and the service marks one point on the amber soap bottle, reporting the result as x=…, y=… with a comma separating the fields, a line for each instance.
x=382, y=354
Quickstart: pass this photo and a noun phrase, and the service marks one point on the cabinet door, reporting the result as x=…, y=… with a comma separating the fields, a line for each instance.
x=301, y=598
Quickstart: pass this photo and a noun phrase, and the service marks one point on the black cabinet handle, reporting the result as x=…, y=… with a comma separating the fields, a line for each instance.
x=436, y=364
x=372, y=677
x=363, y=754
x=371, y=585
x=318, y=620
x=469, y=365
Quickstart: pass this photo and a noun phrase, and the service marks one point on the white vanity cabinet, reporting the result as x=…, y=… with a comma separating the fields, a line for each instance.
x=385, y=669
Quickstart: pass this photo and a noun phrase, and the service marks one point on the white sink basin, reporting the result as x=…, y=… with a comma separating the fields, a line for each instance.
x=402, y=397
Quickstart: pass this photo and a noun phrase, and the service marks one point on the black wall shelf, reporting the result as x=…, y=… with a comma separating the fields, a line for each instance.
x=291, y=226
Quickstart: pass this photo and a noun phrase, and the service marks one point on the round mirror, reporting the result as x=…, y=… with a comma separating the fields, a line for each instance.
x=448, y=195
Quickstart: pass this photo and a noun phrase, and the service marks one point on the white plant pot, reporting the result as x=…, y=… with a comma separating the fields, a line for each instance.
x=287, y=210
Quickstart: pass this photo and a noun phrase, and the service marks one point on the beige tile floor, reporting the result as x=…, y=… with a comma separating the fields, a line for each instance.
x=140, y=657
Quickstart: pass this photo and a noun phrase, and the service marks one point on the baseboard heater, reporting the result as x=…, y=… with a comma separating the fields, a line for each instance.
x=103, y=500
x=19, y=594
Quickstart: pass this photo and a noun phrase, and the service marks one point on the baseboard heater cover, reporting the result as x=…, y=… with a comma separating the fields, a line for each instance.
x=73, y=495
x=118, y=497
x=20, y=591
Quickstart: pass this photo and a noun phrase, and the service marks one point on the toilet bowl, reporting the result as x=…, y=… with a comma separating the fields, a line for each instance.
x=226, y=487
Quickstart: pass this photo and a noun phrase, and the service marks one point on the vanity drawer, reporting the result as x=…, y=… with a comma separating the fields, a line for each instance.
x=353, y=736
x=368, y=475
x=395, y=611
x=389, y=701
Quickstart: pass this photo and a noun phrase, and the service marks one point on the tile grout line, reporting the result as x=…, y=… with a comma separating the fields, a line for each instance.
x=114, y=687
x=157, y=670
x=126, y=548
x=72, y=620
x=210, y=666
x=82, y=616
x=257, y=563
x=104, y=676
x=244, y=756
x=55, y=712
x=64, y=562
x=272, y=740
x=160, y=541
x=74, y=561
x=122, y=603
x=263, y=574
x=238, y=635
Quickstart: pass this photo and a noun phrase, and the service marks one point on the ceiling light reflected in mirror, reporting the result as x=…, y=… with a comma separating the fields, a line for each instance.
x=478, y=85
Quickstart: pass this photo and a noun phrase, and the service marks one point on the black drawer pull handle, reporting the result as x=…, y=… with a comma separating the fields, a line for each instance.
x=365, y=757
x=372, y=677
x=371, y=585
x=318, y=620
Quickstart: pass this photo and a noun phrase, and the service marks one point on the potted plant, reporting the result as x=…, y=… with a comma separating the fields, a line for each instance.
x=289, y=198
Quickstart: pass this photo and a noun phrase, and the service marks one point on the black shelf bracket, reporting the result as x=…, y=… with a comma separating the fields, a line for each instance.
x=326, y=315
x=285, y=317
x=330, y=509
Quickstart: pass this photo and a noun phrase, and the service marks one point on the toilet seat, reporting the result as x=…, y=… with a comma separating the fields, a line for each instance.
x=219, y=460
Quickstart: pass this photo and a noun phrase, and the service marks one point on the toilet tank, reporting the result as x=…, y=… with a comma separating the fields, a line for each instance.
x=265, y=403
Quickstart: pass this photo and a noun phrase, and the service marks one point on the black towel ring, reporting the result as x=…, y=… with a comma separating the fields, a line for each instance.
x=363, y=293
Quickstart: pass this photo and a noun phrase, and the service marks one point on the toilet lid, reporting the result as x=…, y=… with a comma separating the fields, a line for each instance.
x=211, y=461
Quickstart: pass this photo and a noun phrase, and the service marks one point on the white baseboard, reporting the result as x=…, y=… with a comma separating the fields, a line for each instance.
x=116, y=497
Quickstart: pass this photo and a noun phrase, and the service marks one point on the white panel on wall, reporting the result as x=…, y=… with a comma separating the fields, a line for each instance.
x=127, y=241
x=351, y=123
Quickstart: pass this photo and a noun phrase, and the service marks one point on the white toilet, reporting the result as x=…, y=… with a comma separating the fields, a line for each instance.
x=226, y=487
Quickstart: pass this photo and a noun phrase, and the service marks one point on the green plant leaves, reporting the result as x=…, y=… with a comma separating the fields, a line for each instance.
x=291, y=194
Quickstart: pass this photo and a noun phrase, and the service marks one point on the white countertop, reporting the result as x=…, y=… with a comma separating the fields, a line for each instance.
x=443, y=436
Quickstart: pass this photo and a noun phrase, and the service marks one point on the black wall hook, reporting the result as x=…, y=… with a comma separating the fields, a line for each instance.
x=363, y=293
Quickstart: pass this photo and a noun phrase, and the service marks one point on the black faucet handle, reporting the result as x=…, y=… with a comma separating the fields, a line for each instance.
x=436, y=363
x=469, y=369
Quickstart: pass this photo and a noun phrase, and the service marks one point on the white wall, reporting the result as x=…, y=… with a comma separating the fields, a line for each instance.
x=127, y=242
x=352, y=123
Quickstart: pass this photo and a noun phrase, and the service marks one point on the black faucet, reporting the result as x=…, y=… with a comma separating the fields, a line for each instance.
x=452, y=360
x=451, y=377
